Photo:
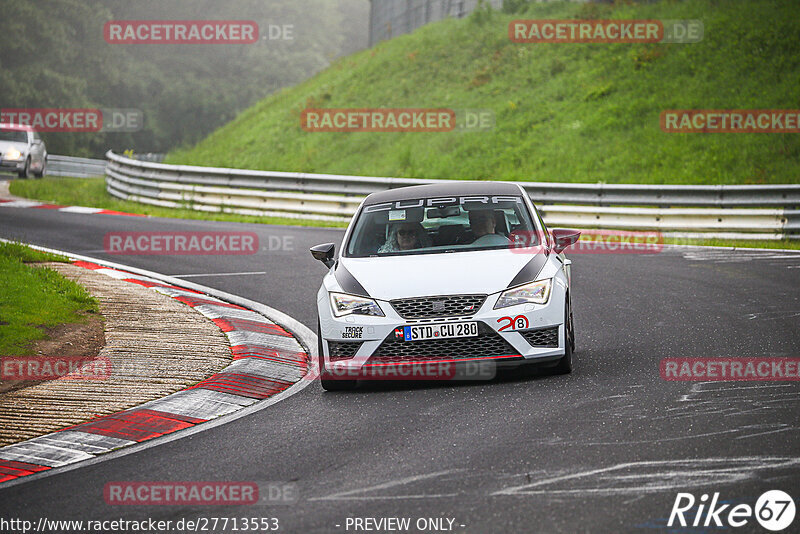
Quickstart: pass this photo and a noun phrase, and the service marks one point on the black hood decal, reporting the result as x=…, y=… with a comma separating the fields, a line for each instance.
x=530, y=271
x=348, y=282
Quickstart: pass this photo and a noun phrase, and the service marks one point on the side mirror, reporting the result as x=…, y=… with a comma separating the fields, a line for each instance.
x=564, y=238
x=324, y=253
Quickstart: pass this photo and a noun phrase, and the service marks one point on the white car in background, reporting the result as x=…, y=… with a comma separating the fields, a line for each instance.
x=22, y=151
x=436, y=273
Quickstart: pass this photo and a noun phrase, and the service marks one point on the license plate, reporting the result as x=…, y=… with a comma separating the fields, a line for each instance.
x=440, y=331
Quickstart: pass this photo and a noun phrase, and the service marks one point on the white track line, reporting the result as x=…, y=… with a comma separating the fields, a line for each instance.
x=217, y=274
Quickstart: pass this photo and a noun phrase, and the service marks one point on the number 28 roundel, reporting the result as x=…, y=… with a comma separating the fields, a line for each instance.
x=520, y=322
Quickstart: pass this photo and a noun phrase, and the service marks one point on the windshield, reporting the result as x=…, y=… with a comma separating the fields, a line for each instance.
x=437, y=225
x=16, y=136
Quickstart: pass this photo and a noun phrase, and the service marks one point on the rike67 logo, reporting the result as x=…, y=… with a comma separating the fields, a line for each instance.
x=774, y=510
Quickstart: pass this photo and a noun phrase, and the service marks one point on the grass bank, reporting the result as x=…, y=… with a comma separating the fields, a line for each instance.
x=564, y=112
x=35, y=298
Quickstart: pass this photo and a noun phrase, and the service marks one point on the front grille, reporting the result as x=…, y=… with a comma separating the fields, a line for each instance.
x=486, y=343
x=342, y=351
x=543, y=337
x=444, y=306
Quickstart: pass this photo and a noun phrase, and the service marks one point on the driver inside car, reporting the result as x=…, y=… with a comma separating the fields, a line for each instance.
x=482, y=224
x=405, y=236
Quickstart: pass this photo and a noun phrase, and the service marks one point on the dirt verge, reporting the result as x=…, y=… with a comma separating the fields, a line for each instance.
x=66, y=340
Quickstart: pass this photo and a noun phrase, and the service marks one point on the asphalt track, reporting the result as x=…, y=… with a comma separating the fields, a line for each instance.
x=605, y=449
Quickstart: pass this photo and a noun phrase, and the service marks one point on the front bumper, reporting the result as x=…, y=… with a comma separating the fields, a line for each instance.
x=507, y=337
x=12, y=164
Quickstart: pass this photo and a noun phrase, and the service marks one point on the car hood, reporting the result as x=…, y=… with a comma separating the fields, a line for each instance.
x=487, y=271
x=5, y=145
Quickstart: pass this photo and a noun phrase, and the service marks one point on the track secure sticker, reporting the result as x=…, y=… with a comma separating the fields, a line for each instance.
x=353, y=332
x=397, y=215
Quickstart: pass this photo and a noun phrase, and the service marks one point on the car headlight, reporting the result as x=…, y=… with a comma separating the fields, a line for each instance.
x=12, y=153
x=533, y=293
x=343, y=304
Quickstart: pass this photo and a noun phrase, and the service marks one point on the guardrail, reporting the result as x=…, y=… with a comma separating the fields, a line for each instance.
x=676, y=210
x=77, y=167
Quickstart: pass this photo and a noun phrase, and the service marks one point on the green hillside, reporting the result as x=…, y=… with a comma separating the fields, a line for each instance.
x=564, y=112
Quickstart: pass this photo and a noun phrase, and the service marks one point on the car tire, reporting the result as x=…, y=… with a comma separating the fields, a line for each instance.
x=40, y=174
x=24, y=173
x=330, y=384
x=564, y=365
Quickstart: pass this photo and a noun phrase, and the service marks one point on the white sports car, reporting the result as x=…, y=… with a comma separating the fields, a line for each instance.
x=454, y=274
